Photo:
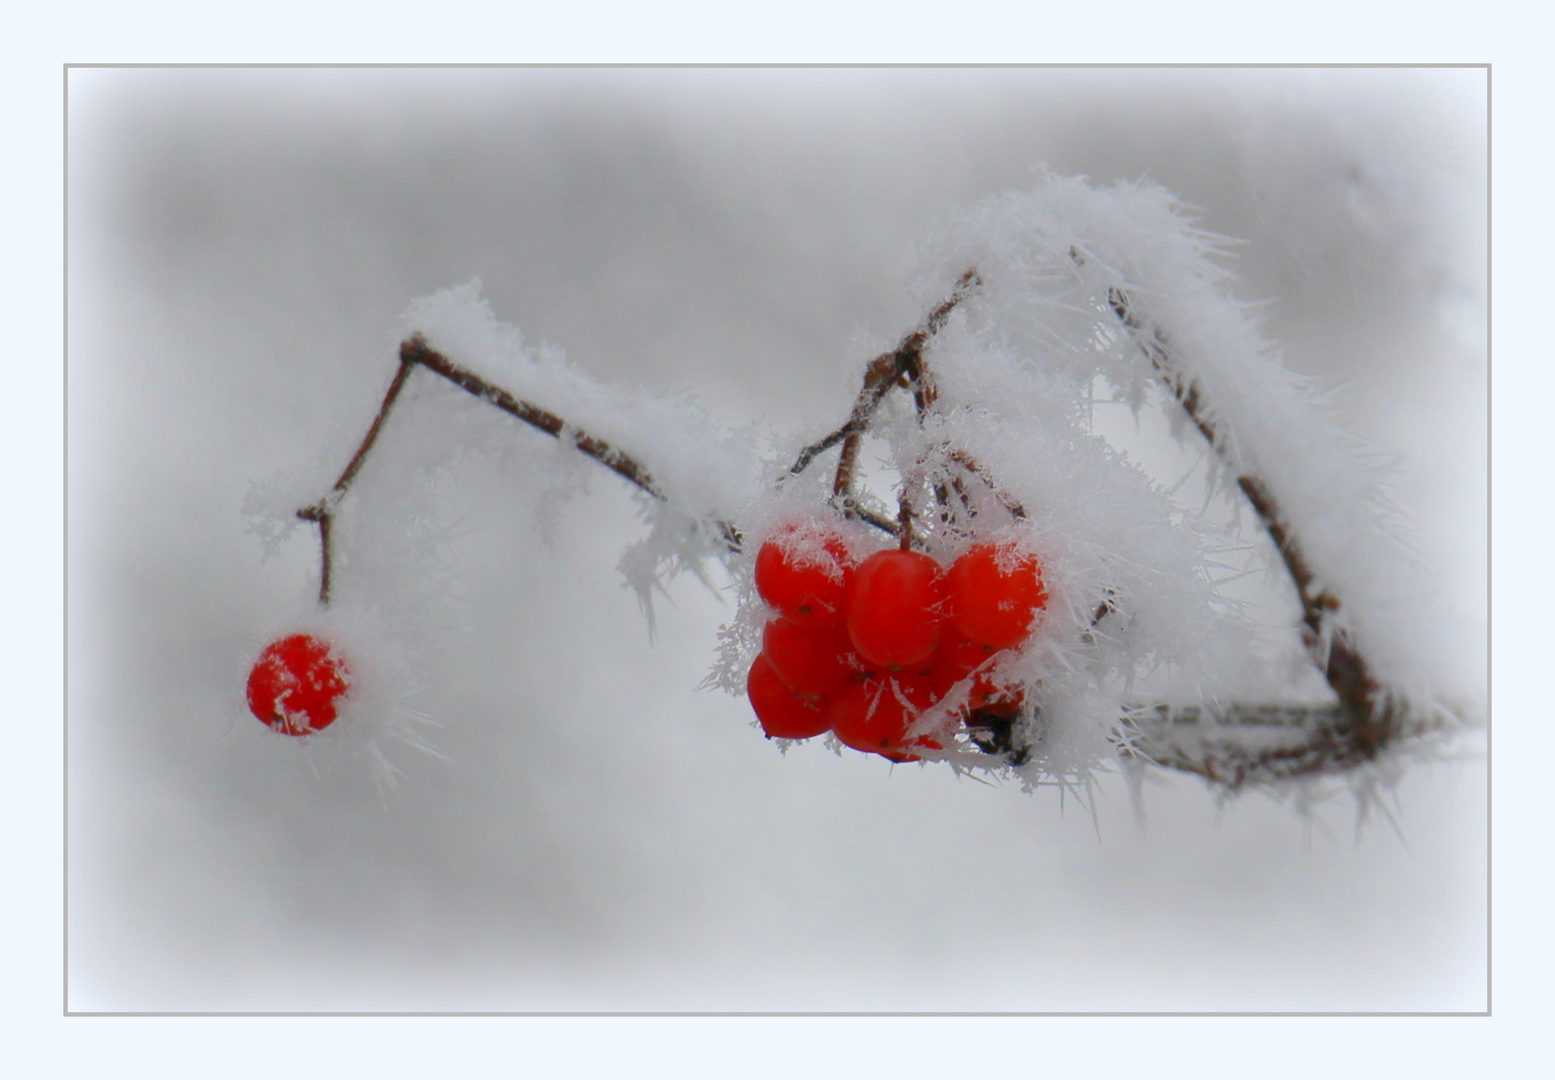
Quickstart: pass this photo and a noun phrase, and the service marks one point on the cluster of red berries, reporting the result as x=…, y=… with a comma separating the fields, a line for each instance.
x=297, y=684
x=861, y=649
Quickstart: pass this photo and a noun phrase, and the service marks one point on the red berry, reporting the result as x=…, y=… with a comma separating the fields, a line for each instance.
x=988, y=695
x=874, y=715
x=955, y=659
x=296, y=685
x=813, y=662
x=803, y=572
x=996, y=592
x=783, y=713
x=895, y=607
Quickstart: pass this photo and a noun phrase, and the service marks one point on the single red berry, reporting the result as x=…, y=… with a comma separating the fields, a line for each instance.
x=995, y=594
x=981, y=690
x=986, y=694
x=783, y=713
x=874, y=715
x=814, y=662
x=296, y=685
x=803, y=572
x=895, y=607
x=955, y=659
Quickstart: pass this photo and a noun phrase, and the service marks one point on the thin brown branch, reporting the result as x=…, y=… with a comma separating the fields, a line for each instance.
x=847, y=465
x=964, y=286
x=322, y=513
x=1365, y=720
x=879, y=378
x=971, y=465
x=851, y=508
x=617, y=461
x=886, y=371
x=360, y=457
x=324, y=518
x=415, y=352
x=902, y=367
x=904, y=535
x=1198, y=740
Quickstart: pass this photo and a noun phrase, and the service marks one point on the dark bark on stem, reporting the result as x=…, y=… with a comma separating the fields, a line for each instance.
x=622, y=464
x=415, y=352
x=902, y=367
x=1365, y=720
x=322, y=512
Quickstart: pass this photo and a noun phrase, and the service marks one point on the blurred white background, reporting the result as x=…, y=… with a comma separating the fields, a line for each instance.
x=604, y=836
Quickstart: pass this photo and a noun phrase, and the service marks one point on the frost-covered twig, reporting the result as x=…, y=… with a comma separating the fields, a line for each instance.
x=1365, y=719
x=1239, y=744
x=415, y=352
x=322, y=513
x=901, y=367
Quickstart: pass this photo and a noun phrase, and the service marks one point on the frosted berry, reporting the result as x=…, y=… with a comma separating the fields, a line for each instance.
x=296, y=685
x=803, y=572
x=995, y=595
x=874, y=715
x=783, y=713
x=986, y=694
x=895, y=607
x=813, y=662
x=955, y=659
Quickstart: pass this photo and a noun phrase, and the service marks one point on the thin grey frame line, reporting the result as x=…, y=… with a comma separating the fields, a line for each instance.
x=861, y=66
x=64, y=391
x=849, y=1015
x=1490, y=600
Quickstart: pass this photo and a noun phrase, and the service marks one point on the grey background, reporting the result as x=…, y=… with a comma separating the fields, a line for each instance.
x=604, y=836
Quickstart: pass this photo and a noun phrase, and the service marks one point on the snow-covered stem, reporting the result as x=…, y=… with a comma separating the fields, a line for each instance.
x=415, y=352
x=1365, y=719
x=322, y=513
x=1296, y=740
x=901, y=367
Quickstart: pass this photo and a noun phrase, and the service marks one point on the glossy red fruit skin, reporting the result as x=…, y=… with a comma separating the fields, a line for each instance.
x=804, y=573
x=814, y=662
x=296, y=685
x=995, y=595
x=783, y=713
x=895, y=608
x=955, y=659
x=874, y=715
